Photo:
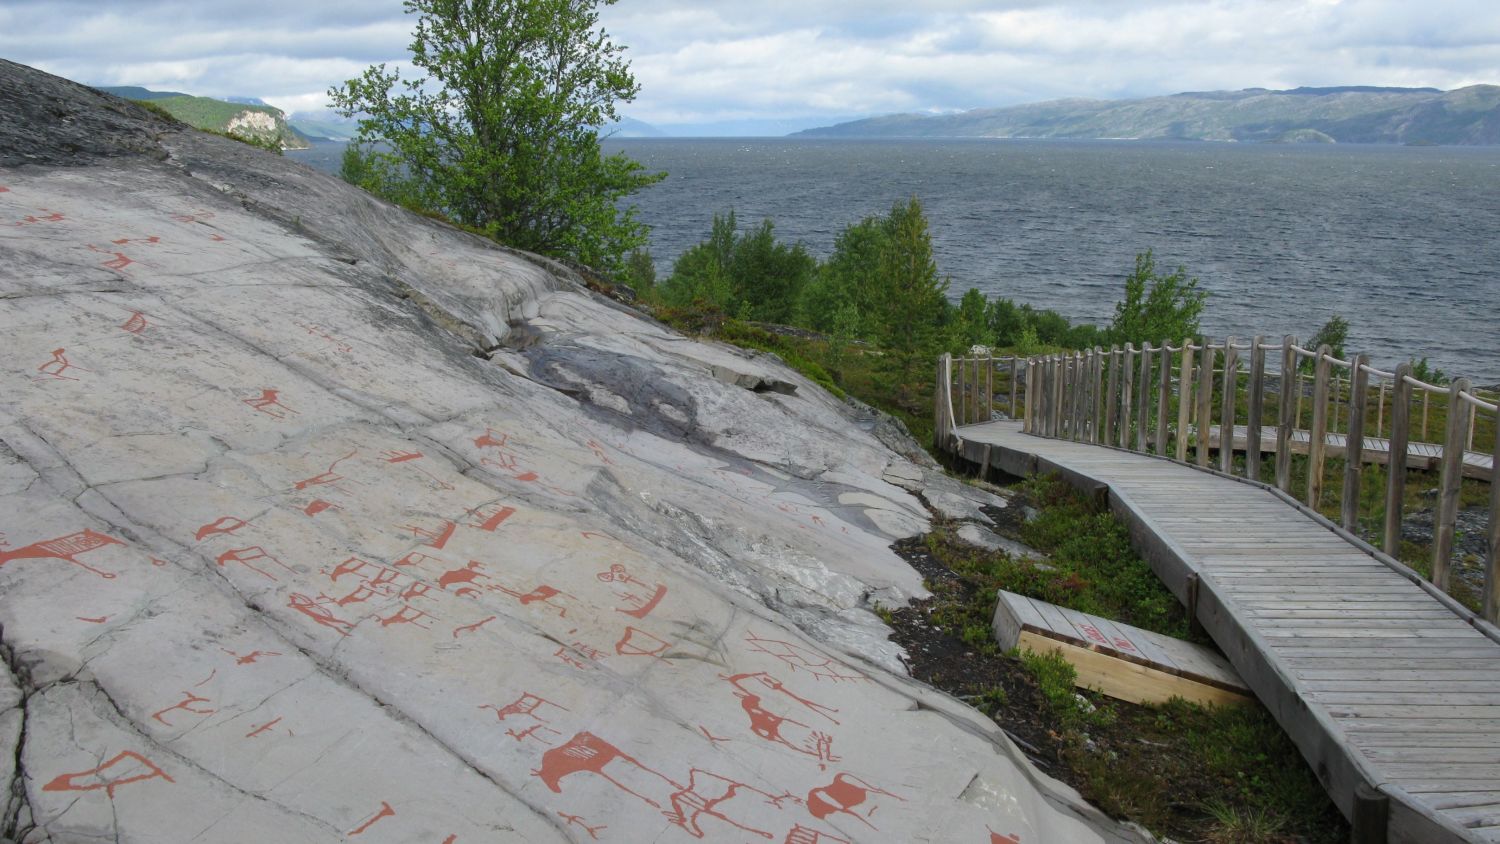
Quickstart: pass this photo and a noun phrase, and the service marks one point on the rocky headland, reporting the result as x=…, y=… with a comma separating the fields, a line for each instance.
x=322, y=521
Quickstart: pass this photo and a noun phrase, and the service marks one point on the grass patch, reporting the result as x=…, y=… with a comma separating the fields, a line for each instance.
x=1090, y=568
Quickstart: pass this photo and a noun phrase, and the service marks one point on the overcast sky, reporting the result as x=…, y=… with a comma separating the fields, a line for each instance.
x=784, y=64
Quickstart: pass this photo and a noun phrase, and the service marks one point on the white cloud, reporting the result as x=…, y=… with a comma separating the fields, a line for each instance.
x=708, y=60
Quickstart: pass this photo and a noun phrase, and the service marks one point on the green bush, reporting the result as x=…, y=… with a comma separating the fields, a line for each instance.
x=1157, y=307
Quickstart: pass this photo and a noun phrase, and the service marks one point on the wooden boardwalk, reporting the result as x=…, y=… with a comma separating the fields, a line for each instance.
x=1390, y=689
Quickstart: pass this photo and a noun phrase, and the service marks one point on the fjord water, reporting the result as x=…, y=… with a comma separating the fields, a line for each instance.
x=1404, y=242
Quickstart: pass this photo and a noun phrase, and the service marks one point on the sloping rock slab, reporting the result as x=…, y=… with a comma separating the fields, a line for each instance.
x=284, y=556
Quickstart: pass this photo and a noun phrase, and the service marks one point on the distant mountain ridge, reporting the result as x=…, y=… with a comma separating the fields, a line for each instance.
x=244, y=116
x=1350, y=114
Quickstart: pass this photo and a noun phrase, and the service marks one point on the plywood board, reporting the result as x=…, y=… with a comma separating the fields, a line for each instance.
x=1119, y=660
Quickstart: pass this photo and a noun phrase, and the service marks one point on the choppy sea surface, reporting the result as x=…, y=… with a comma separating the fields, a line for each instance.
x=1403, y=242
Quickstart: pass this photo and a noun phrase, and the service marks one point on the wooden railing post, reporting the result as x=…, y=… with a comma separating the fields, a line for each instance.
x=1072, y=397
x=1257, y=404
x=1091, y=408
x=1205, y=401
x=1056, y=395
x=976, y=382
x=1097, y=406
x=1143, y=400
x=1450, y=482
x=971, y=412
x=1354, y=442
x=1286, y=421
x=1127, y=395
x=1028, y=416
x=989, y=388
x=1184, y=399
x=1112, y=397
x=1014, y=367
x=1395, y=488
x=1049, y=374
x=1043, y=395
x=1163, y=396
x=1317, y=437
x=1038, y=397
x=1492, y=567
x=1380, y=410
x=1065, y=403
x=1080, y=394
x=973, y=384
x=1064, y=393
x=1227, y=412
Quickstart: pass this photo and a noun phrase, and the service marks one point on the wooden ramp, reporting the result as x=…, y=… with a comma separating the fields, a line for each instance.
x=1116, y=659
x=1390, y=689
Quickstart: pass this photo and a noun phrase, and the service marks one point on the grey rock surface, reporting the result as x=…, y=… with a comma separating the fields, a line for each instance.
x=991, y=541
x=321, y=520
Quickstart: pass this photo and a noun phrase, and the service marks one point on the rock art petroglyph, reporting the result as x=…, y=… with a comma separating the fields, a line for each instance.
x=296, y=542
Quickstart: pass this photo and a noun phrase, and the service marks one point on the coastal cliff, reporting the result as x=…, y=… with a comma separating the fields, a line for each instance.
x=320, y=519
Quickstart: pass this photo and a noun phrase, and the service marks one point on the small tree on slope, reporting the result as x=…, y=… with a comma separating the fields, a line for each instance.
x=502, y=132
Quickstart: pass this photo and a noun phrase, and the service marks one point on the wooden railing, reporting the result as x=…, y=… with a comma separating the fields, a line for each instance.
x=1208, y=402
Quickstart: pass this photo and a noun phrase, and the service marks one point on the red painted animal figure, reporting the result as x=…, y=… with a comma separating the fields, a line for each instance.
x=58, y=365
x=65, y=548
x=772, y=726
x=465, y=578
x=684, y=805
x=841, y=796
